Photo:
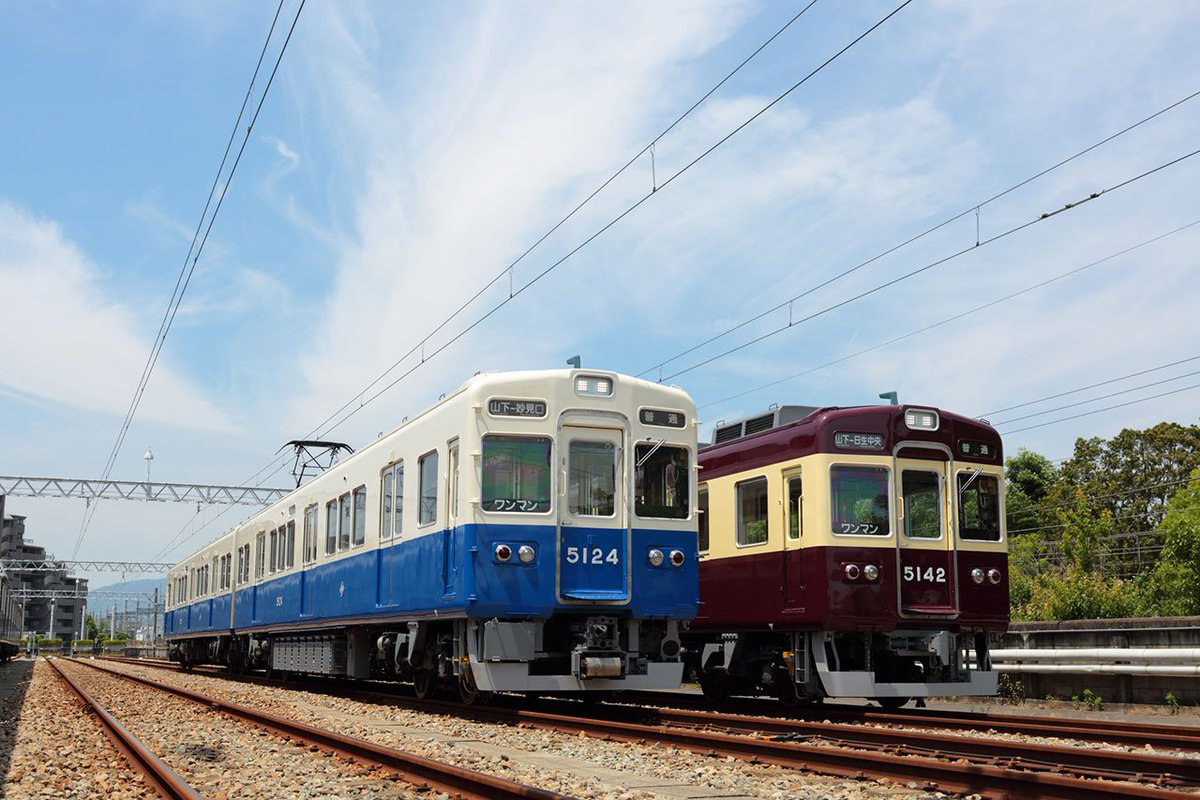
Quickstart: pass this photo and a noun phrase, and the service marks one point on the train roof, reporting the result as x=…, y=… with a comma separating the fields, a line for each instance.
x=787, y=432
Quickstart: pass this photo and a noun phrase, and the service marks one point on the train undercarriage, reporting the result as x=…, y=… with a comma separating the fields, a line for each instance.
x=564, y=654
x=804, y=667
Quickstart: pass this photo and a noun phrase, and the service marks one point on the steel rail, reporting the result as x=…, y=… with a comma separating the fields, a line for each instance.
x=159, y=776
x=1134, y=734
x=1002, y=771
x=415, y=769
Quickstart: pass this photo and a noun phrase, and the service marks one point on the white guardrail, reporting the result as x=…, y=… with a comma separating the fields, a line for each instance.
x=1177, y=661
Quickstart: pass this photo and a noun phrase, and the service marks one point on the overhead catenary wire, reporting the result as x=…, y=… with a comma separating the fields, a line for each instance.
x=948, y=320
x=360, y=400
x=197, y=246
x=1151, y=487
x=932, y=229
x=1107, y=408
x=1097, y=399
x=939, y=262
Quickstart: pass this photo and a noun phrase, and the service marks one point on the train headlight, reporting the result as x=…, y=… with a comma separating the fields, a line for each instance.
x=871, y=572
x=656, y=557
x=852, y=572
x=677, y=558
x=503, y=552
x=994, y=575
x=977, y=575
x=526, y=553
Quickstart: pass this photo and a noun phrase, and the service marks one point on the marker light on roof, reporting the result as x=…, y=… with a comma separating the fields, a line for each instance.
x=920, y=420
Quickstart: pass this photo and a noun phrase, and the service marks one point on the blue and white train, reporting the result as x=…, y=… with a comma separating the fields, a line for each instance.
x=532, y=532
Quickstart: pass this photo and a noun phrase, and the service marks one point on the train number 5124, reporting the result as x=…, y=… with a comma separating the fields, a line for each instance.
x=593, y=555
x=927, y=575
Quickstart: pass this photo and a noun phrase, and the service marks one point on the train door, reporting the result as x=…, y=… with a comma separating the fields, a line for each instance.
x=593, y=557
x=793, y=541
x=925, y=542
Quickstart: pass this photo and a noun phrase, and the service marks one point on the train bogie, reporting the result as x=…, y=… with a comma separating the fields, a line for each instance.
x=531, y=532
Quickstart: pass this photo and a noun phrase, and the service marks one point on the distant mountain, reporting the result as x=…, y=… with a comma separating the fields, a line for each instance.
x=99, y=606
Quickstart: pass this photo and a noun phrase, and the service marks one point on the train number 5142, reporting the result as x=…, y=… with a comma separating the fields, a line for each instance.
x=927, y=575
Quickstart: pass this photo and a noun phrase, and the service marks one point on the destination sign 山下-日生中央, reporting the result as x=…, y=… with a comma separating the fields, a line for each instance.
x=517, y=408
x=858, y=441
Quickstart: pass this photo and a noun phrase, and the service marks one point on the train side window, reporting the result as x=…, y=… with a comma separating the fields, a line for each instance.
x=427, y=468
x=291, y=544
x=260, y=551
x=795, y=507
x=398, y=502
x=310, y=534
x=702, y=518
x=922, y=504
x=274, y=547
x=661, y=481
x=516, y=474
x=385, y=520
x=360, y=516
x=859, y=499
x=331, y=523
x=751, y=512
x=592, y=478
x=978, y=506
x=345, y=520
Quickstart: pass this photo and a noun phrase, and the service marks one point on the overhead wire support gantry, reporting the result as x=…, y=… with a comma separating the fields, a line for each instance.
x=89, y=489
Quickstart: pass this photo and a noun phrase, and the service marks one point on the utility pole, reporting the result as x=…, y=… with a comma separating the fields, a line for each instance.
x=112, y=622
x=154, y=613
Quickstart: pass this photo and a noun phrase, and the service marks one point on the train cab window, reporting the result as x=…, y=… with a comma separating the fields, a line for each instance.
x=331, y=525
x=795, y=507
x=702, y=518
x=859, y=500
x=310, y=534
x=978, y=506
x=751, y=512
x=661, y=481
x=428, y=470
x=591, y=478
x=922, y=504
x=360, y=516
x=345, y=520
x=516, y=474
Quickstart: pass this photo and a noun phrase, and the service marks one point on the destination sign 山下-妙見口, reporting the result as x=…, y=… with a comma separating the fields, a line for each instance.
x=499, y=407
x=858, y=441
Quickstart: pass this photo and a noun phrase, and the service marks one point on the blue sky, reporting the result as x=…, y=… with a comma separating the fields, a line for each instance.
x=407, y=153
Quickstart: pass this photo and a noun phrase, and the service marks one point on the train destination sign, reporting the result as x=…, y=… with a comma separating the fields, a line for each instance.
x=661, y=418
x=858, y=441
x=979, y=449
x=500, y=407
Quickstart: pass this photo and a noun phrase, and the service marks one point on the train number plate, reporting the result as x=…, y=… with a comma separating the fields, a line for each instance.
x=926, y=575
x=591, y=555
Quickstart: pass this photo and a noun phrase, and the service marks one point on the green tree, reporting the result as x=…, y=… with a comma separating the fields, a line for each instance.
x=93, y=630
x=1029, y=479
x=1172, y=587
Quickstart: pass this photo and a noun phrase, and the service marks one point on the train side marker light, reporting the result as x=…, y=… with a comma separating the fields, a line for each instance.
x=656, y=557
x=526, y=553
x=977, y=575
x=852, y=572
x=871, y=572
x=994, y=575
x=503, y=552
x=677, y=558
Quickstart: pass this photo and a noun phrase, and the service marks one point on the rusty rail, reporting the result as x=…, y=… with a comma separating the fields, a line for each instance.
x=415, y=769
x=159, y=776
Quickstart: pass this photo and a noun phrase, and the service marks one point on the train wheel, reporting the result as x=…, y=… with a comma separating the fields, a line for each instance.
x=469, y=692
x=715, y=686
x=891, y=703
x=424, y=682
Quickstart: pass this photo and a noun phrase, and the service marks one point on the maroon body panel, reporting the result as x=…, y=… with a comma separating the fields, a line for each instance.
x=748, y=592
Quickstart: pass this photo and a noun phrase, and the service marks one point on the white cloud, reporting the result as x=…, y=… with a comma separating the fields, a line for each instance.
x=78, y=347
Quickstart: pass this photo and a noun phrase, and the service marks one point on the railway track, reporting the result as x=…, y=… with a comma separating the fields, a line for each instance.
x=160, y=777
x=423, y=773
x=945, y=762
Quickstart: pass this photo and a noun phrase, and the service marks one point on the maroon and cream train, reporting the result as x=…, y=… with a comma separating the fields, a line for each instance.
x=850, y=552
